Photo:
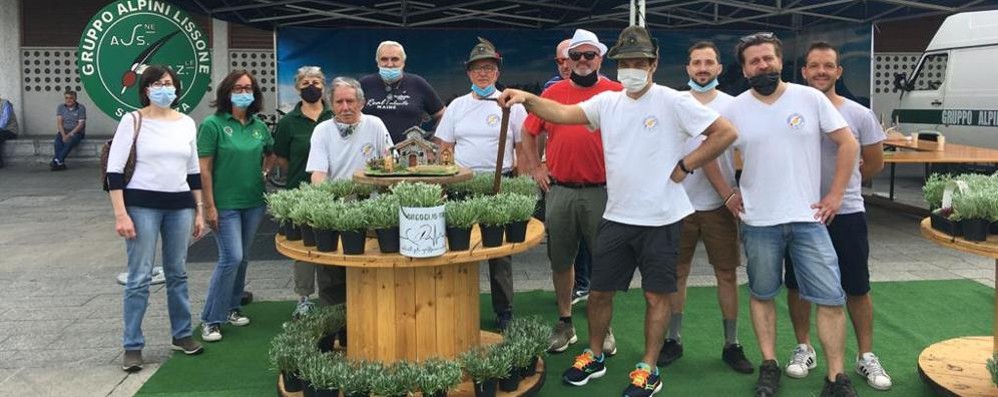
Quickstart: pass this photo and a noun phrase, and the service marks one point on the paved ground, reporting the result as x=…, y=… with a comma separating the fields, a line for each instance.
x=60, y=308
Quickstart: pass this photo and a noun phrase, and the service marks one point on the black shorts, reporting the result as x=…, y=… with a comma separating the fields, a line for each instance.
x=621, y=248
x=852, y=245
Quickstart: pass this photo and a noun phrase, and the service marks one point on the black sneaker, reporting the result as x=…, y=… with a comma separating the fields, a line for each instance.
x=643, y=382
x=842, y=387
x=503, y=319
x=671, y=351
x=769, y=379
x=342, y=336
x=585, y=368
x=734, y=356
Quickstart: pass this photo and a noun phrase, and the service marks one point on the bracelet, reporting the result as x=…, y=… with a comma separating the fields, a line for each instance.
x=733, y=193
x=201, y=204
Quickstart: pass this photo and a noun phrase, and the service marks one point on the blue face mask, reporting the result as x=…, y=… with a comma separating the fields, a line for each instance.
x=162, y=96
x=702, y=88
x=390, y=75
x=484, y=92
x=242, y=100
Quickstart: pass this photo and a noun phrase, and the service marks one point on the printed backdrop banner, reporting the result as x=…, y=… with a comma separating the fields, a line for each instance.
x=528, y=56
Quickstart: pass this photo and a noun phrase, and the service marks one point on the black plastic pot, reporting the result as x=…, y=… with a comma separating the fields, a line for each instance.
x=492, y=235
x=281, y=226
x=292, y=232
x=292, y=383
x=308, y=390
x=326, y=240
x=326, y=343
x=327, y=393
x=994, y=228
x=442, y=393
x=388, y=240
x=516, y=232
x=485, y=388
x=458, y=238
x=307, y=235
x=342, y=336
x=976, y=229
x=511, y=382
x=529, y=370
x=945, y=225
x=358, y=395
x=354, y=241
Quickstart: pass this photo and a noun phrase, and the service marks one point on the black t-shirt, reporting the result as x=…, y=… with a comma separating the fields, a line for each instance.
x=400, y=105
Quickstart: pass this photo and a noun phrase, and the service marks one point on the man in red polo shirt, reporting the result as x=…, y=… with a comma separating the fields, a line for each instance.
x=574, y=177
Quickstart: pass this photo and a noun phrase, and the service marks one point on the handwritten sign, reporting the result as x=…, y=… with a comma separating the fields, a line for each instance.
x=422, y=232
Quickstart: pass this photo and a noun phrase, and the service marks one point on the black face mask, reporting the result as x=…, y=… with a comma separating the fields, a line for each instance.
x=585, y=81
x=311, y=94
x=765, y=83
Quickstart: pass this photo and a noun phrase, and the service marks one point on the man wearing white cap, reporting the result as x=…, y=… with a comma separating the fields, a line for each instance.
x=574, y=177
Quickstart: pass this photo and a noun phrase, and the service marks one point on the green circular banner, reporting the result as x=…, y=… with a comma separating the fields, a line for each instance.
x=127, y=36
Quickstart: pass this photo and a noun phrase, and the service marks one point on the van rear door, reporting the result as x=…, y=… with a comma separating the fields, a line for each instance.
x=922, y=106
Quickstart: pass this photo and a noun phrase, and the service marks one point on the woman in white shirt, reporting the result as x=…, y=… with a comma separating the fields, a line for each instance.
x=161, y=200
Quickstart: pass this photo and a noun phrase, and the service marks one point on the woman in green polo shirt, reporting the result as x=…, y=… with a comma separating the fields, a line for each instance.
x=233, y=146
x=292, y=142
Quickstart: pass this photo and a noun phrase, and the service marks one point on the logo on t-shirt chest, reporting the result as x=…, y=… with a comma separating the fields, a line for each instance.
x=650, y=123
x=796, y=121
x=492, y=120
x=367, y=151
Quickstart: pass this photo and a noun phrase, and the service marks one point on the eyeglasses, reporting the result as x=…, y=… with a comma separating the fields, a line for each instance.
x=161, y=84
x=756, y=37
x=240, y=89
x=483, y=69
x=560, y=60
x=589, y=55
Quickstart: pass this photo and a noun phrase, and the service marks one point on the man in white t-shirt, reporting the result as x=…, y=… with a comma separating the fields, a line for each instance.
x=344, y=145
x=849, y=231
x=644, y=129
x=711, y=222
x=339, y=147
x=781, y=126
x=470, y=128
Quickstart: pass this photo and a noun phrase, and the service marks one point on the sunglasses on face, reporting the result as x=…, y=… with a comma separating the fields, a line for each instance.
x=589, y=55
x=757, y=36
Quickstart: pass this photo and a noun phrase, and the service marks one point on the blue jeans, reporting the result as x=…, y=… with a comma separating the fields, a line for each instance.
x=813, y=255
x=583, y=267
x=236, y=229
x=62, y=149
x=174, y=227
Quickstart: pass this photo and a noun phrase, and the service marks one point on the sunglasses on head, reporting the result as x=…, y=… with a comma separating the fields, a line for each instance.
x=589, y=55
x=757, y=36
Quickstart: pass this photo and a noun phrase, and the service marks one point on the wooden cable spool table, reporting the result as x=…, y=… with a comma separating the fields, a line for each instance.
x=362, y=177
x=956, y=367
x=401, y=308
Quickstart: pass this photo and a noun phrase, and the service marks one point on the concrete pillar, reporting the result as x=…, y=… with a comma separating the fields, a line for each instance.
x=219, y=51
x=10, y=58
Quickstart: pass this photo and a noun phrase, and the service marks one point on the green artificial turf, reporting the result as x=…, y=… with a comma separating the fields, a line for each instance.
x=908, y=317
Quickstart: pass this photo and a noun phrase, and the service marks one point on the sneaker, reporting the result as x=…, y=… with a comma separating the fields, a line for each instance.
x=503, y=319
x=187, y=345
x=643, y=382
x=304, y=308
x=158, y=277
x=237, y=318
x=734, y=356
x=585, y=368
x=211, y=333
x=869, y=366
x=562, y=336
x=769, y=379
x=132, y=361
x=609, y=343
x=802, y=361
x=342, y=336
x=842, y=387
x=246, y=298
x=671, y=351
x=579, y=295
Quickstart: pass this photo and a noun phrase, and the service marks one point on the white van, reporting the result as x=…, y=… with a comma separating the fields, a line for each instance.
x=954, y=89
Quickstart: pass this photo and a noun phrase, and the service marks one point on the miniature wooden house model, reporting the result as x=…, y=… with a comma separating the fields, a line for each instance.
x=416, y=150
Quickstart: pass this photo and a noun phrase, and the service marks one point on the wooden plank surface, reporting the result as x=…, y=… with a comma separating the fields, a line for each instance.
x=987, y=248
x=405, y=304
x=446, y=319
x=387, y=344
x=373, y=258
x=957, y=366
x=426, y=312
x=463, y=175
x=927, y=152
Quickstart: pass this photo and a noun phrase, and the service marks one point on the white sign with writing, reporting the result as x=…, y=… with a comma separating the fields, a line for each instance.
x=422, y=232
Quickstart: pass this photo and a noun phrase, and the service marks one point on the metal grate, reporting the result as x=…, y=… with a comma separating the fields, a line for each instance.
x=50, y=70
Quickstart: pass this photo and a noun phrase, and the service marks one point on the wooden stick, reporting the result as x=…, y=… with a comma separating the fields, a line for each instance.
x=503, y=129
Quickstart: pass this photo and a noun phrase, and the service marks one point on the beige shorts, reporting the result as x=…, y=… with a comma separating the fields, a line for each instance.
x=719, y=231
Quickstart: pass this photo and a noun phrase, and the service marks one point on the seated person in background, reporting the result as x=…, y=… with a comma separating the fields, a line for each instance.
x=8, y=124
x=71, y=121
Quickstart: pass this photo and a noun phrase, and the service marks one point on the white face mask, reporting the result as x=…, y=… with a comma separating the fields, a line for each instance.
x=633, y=80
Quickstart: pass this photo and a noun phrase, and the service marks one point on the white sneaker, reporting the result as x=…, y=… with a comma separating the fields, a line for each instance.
x=211, y=333
x=869, y=366
x=609, y=343
x=237, y=318
x=802, y=361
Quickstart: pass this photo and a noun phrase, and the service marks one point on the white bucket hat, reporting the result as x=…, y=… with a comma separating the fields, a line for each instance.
x=582, y=37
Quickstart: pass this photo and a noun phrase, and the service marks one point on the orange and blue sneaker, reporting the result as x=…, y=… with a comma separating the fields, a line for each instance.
x=586, y=367
x=645, y=381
